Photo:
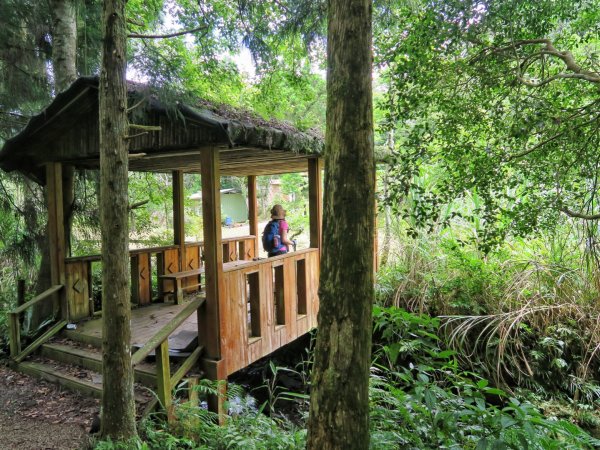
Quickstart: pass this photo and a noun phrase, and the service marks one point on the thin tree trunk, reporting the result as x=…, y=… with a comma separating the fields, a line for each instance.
x=339, y=407
x=387, y=233
x=64, y=42
x=64, y=62
x=118, y=406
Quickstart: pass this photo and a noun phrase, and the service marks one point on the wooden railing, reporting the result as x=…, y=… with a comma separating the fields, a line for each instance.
x=267, y=304
x=14, y=317
x=160, y=343
x=147, y=264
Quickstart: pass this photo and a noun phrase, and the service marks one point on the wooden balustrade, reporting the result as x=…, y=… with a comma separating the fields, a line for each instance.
x=79, y=282
x=267, y=304
x=14, y=321
x=160, y=344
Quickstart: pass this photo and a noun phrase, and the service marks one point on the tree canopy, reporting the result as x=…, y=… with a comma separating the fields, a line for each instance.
x=499, y=99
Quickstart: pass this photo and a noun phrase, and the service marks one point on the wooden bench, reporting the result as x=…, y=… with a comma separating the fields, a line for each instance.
x=177, y=278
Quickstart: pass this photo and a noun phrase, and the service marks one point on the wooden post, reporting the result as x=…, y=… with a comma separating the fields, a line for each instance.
x=20, y=292
x=213, y=251
x=315, y=201
x=253, y=211
x=179, y=216
x=15, y=334
x=163, y=378
x=56, y=234
x=208, y=317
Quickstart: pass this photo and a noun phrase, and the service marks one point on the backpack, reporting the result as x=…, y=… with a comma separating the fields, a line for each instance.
x=271, y=239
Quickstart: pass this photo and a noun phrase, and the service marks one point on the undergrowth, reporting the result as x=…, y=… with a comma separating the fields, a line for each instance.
x=420, y=398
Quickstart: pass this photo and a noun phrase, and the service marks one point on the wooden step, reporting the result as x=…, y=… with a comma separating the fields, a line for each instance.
x=145, y=373
x=49, y=373
x=89, y=388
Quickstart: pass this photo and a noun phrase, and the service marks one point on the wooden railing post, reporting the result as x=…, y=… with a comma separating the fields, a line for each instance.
x=15, y=334
x=163, y=378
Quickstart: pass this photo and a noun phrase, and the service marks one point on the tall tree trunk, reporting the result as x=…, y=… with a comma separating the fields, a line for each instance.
x=339, y=407
x=64, y=42
x=64, y=62
x=118, y=406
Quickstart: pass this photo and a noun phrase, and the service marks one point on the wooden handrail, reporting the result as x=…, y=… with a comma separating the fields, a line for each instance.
x=165, y=331
x=44, y=295
x=41, y=340
x=162, y=248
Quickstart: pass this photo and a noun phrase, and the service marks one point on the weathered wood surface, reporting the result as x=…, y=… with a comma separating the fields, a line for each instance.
x=39, y=341
x=240, y=345
x=44, y=295
x=144, y=324
x=144, y=372
x=179, y=278
x=163, y=333
x=77, y=290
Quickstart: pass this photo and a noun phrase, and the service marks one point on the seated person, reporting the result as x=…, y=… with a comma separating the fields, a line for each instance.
x=275, y=236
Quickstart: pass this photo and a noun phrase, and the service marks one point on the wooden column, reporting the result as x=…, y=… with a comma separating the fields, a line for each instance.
x=179, y=216
x=315, y=200
x=208, y=317
x=213, y=252
x=56, y=234
x=253, y=211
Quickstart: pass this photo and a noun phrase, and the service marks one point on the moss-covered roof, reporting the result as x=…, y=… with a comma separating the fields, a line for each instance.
x=67, y=131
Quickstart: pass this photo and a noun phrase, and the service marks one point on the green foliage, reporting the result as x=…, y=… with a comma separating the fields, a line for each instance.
x=482, y=101
x=421, y=399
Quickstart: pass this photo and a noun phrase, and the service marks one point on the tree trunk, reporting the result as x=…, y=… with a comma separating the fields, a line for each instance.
x=64, y=52
x=339, y=407
x=64, y=42
x=118, y=406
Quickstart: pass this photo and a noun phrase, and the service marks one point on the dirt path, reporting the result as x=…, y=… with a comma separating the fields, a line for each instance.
x=38, y=415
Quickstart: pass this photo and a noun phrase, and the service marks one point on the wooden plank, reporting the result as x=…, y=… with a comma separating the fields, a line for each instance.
x=141, y=279
x=77, y=290
x=170, y=264
x=289, y=290
x=208, y=326
x=14, y=334
x=248, y=249
x=192, y=262
x=252, y=214
x=180, y=275
x=166, y=330
x=47, y=373
x=39, y=341
x=143, y=373
x=315, y=201
x=44, y=295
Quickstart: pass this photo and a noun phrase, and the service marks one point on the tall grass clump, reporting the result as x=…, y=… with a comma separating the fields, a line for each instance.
x=525, y=315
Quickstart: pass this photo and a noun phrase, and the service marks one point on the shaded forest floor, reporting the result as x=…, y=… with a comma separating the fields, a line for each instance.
x=38, y=415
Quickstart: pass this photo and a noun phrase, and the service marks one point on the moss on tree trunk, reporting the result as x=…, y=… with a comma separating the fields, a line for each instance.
x=339, y=408
x=118, y=406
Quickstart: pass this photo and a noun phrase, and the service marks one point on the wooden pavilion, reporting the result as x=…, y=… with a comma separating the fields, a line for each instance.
x=237, y=308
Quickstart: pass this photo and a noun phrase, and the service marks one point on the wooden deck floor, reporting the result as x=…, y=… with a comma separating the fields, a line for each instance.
x=145, y=322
